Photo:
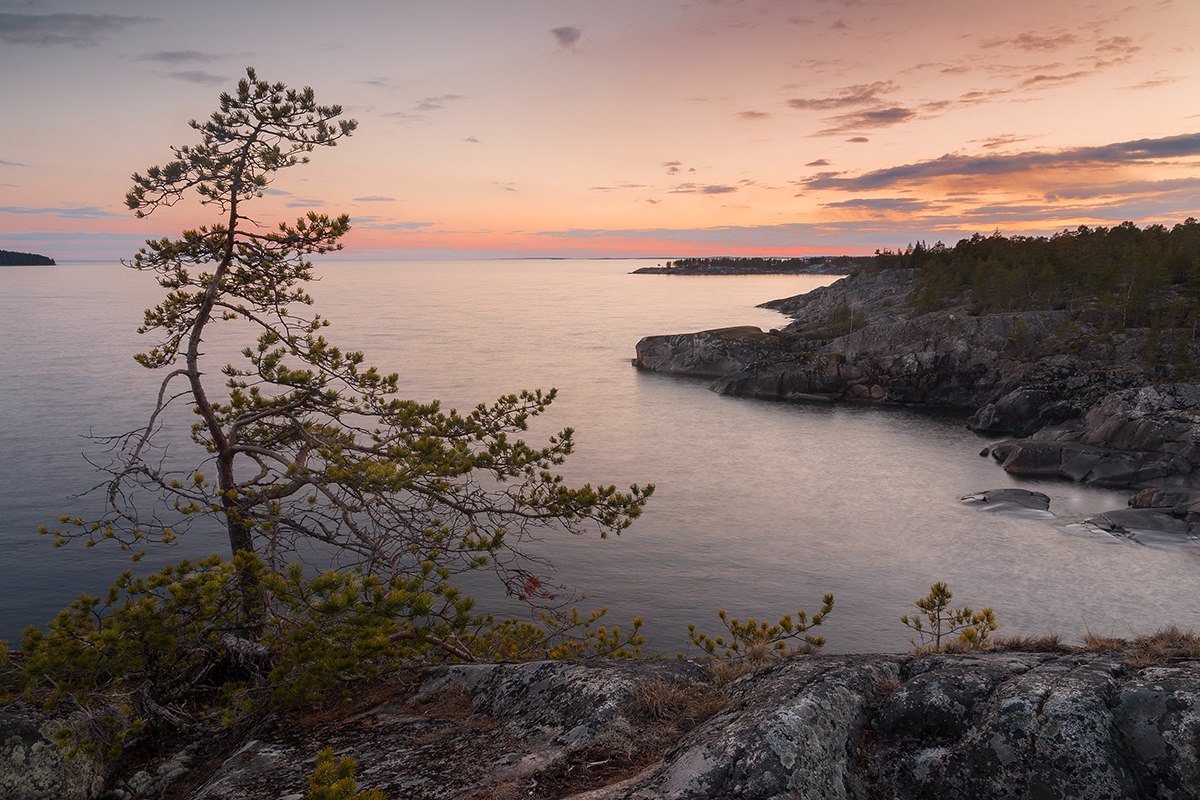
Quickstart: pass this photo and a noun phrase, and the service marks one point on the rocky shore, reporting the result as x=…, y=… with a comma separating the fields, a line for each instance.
x=1079, y=403
x=990, y=725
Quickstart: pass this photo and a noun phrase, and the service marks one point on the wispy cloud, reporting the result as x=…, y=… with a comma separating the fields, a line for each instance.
x=1124, y=189
x=62, y=212
x=405, y=225
x=1115, y=50
x=753, y=115
x=858, y=95
x=181, y=57
x=1139, y=150
x=4, y=163
x=1152, y=83
x=869, y=119
x=820, y=162
x=1042, y=80
x=76, y=30
x=696, y=188
x=1001, y=140
x=567, y=36
x=436, y=103
x=421, y=109
x=197, y=76
x=374, y=198
x=901, y=204
x=1034, y=42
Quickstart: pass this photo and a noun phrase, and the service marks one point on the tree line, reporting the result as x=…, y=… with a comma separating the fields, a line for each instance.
x=11, y=258
x=1126, y=275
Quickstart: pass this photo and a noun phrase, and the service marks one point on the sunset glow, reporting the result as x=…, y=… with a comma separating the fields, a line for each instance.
x=648, y=128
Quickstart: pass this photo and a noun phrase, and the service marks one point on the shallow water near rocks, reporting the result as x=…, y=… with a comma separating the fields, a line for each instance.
x=761, y=506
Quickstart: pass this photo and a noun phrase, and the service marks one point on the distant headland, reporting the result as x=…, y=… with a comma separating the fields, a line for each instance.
x=9, y=258
x=729, y=265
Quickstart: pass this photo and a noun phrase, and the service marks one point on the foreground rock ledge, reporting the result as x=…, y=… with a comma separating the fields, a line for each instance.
x=994, y=725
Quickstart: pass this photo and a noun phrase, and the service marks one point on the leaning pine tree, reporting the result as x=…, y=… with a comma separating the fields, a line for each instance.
x=300, y=443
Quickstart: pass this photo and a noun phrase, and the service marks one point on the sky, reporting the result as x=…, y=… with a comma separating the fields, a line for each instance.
x=619, y=128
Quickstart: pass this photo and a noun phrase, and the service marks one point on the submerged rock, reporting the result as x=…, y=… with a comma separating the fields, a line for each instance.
x=1023, y=498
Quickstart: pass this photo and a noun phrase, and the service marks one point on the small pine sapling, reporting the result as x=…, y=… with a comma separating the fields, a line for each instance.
x=969, y=627
x=333, y=779
x=756, y=640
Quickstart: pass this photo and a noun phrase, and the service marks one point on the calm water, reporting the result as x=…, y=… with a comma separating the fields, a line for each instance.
x=761, y=507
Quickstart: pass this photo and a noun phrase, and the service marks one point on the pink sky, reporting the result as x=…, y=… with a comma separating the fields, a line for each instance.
x=620, y=128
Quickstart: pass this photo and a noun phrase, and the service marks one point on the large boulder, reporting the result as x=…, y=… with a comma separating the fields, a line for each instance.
x=707, y=354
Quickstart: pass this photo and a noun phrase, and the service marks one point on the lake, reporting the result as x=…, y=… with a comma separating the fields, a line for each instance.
x=761, y=507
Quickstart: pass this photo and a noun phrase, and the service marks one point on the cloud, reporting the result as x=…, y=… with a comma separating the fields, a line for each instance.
x=77, y=30
x=422, y=108
x=696, y=188
x=858, y=140
x=1034, y=42
x=436, y=103
x=180, y=57
x=1152, y=83
x=395, y=226
x=197, y=76
x=906, y=204
x=373, y=198
x=862, y=94
x=4, y=163
x=672, y=167
x=1000, y=141
x=1131, y=152
x=1043, y=81
x=566, y=36
x=1124, y=189
x=820, y=162
x=750, y=115
x=869, y=119
x=62, y=212
x=1115, y=50
x=304, y=202
x=472, y=140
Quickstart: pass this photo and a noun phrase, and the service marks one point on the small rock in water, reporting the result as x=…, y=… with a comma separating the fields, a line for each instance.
x=1018, y=497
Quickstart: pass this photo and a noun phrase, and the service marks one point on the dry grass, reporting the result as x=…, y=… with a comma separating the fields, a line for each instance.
x=1161, y=647
x=679, y=705
x=1047, y=643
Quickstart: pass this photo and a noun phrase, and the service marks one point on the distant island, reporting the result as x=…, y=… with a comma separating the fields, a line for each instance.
x=9, y=258
x=729, y=265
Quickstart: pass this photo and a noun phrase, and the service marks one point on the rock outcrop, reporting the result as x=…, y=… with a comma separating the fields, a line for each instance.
x=1085, y=406
x=991, y=725
x=1131, y=437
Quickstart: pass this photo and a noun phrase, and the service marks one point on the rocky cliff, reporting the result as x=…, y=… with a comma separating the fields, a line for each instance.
x=990, y=725
x=1085, y=396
